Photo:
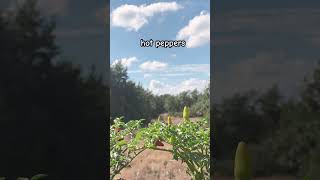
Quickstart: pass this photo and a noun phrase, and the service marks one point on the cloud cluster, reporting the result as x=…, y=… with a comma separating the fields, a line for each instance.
x=153, y=66
x=159, y=88
x=127, y=62
x=133, y=17
x=166, y=70
x=197, y=32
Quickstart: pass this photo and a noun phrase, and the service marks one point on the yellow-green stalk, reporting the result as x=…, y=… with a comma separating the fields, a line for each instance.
x=169, y=120
x=186, y=113
x=242, y=164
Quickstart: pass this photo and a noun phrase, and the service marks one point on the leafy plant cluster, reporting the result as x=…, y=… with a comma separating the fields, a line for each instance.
x=190, y=143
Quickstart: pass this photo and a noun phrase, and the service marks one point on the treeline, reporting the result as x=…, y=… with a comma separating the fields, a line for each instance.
x=53, y=119
x=283, y=134
x=132, y=101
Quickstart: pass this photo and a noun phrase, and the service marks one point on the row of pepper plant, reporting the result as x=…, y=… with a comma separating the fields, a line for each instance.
x=190, y=143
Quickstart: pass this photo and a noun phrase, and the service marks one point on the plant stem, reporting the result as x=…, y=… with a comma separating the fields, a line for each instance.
x=159, y=149
x=118, y=171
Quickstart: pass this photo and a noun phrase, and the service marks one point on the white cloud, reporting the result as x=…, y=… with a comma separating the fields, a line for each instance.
x=147, y=76
x=164, y=69
x=174, y=74
x=197, y=32
x=126, y=61
x=159, y=88
x=153, y=66
x=133, y=17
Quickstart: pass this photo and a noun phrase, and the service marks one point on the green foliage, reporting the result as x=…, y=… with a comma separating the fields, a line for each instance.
x=201, y=105
x=190, y=143
x=48, y=108
x=130, y=100
x=306, y=178
x=313, y=165
x=282, y=133
x=121, y=151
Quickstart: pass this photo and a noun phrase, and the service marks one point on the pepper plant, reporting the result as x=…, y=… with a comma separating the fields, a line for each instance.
x=190, y=143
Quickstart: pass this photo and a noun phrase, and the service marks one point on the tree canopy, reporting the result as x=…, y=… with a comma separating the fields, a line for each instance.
x=52, y=119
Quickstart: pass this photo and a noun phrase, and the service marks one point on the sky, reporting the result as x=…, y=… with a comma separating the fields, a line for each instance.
x=258, y=44
x=255, y=43
x=162, y=70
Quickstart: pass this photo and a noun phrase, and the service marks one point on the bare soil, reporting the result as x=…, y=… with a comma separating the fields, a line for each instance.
x=155, y=165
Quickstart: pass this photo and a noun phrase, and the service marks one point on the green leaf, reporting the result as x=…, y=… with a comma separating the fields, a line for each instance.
x=122, y=142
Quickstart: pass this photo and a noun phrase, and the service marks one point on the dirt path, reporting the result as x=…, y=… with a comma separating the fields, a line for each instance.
x=155, y=165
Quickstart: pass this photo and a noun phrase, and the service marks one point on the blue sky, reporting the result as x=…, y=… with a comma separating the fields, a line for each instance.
x=162, y=70
x=256, y=43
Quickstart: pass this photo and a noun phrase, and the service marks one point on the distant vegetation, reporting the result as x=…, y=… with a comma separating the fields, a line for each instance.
x=283, y=134
x=52, y=117
x=132, y=101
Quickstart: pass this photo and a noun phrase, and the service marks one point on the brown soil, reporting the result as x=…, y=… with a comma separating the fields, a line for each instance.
x=155, y=165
